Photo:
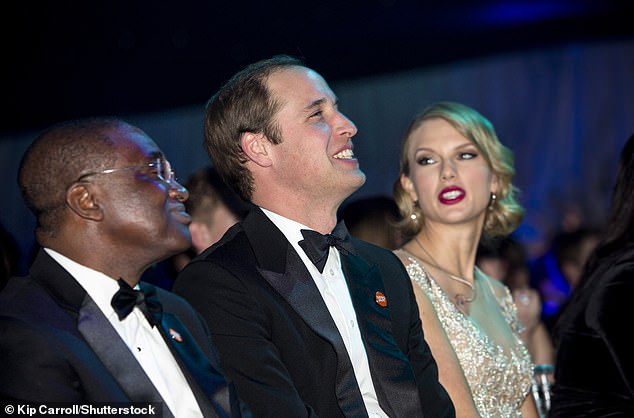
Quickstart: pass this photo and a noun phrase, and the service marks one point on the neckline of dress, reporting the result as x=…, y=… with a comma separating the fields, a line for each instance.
x=512, y=350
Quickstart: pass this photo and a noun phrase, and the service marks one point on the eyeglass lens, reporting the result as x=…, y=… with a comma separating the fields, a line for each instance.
x=164, y=169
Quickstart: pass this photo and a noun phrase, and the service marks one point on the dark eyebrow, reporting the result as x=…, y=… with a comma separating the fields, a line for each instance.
x=320, y=102
x=314, y=104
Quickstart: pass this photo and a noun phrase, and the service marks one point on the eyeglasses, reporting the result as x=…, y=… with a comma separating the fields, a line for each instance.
x=161, y=167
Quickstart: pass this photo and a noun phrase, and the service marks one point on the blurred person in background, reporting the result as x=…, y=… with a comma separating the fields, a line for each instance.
x=373, y=219
x=556, y=273
x=594, y=367
x=505, y=259
x=214, y=208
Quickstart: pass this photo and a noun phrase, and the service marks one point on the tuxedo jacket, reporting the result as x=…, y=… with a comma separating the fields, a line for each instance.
x=57, y=346
x=279, y=344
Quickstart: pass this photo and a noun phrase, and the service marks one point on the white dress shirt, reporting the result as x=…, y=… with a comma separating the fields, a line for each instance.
x=144, y=341
x=334, y=290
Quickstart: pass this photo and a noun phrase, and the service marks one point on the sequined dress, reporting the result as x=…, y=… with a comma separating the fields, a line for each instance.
x=499, y=378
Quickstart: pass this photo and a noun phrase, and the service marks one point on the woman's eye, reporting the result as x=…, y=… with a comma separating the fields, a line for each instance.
x=468, y=155
x=425, y=160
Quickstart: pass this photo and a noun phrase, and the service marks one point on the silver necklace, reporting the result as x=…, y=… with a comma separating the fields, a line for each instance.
x=460, y=299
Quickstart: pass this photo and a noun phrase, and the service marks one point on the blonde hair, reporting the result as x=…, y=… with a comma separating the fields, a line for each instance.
x=505, y=213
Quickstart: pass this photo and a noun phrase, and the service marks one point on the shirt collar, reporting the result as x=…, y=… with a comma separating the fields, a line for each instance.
x=290, y=228
x=100, y=288
x=292, y=231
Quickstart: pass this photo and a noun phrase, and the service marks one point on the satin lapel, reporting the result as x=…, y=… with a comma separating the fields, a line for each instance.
x=115, y=355
x=297, y=287
x=208, y=385
x=281, y=266
x=392, y=374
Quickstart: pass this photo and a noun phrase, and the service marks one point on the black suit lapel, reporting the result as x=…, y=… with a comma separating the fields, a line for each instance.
x=393, y=378
x=95, y=329
x=297, y=287
x=283, y=269
x=115, y=355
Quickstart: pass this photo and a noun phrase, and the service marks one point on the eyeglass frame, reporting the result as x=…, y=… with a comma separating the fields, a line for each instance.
x=162, y=166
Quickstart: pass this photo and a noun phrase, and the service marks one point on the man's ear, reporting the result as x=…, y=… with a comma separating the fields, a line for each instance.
x=83, y=202
x=200, y=236
x=257, y=148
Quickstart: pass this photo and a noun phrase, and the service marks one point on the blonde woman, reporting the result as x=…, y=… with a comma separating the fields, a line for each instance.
x=454, y=186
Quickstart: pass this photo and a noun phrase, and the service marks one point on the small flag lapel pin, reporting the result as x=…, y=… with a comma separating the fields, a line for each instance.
x=175, y=335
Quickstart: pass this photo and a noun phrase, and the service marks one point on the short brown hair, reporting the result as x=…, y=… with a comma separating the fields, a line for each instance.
x=207, y=190
x=243, y=104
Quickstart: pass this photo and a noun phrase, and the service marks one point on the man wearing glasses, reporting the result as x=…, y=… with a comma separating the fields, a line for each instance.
x=81, y=328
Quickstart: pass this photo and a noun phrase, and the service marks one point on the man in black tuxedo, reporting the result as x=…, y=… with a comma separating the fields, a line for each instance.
x=80, y=328
x=306, y=325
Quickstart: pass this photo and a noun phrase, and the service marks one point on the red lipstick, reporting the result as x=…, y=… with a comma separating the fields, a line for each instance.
x=451, y=195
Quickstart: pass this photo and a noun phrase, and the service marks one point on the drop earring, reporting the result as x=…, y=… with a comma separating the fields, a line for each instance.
x=492, y=201
x=414, y=216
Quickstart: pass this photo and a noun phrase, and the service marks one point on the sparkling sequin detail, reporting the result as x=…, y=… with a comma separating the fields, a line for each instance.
x=499, y=378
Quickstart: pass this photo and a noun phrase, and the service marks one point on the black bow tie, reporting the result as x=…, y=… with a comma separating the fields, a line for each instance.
x=317, y=245
x=127, y=298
